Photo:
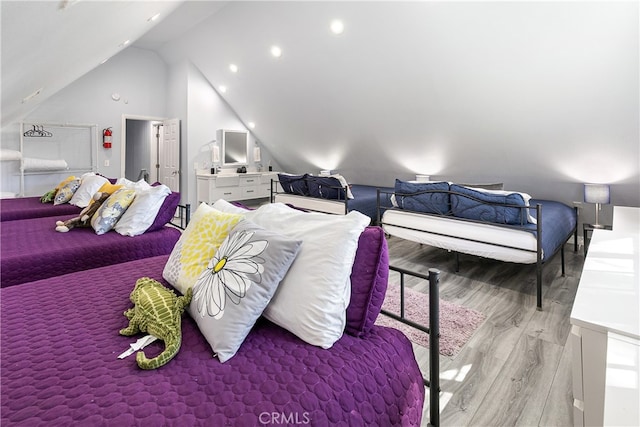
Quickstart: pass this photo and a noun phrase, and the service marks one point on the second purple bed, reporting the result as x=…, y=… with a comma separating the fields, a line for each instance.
x=31, y=249
x=32, y=207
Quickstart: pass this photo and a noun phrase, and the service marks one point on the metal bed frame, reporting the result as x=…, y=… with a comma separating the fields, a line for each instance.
x=540, y=263
x=433, y=382
x=344, y=201
x=183, y=216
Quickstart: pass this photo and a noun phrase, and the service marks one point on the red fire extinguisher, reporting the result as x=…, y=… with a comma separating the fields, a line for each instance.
x=106, y=137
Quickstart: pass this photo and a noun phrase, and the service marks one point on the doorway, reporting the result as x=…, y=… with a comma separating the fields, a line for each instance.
x=151, y=150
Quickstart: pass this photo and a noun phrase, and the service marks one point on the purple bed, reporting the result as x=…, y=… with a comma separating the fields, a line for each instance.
x=60, y=344
x=31, y=249
x=31, y=207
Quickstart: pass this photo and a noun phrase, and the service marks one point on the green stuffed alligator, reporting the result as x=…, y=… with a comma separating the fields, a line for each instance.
x=157, y=311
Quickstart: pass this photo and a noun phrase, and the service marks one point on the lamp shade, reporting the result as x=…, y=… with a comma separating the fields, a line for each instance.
x=596, y=193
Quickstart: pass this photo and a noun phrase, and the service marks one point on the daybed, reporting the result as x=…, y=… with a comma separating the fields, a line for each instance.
x=501, y=225
x=32, y=207
x=60, y=345
x=327, y=194
x=31, y=249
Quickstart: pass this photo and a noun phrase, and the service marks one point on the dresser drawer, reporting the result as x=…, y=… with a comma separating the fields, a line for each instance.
x=227, y=181
x=248, y=181
x=233, y=187
x=264, y=191
x=251, y=192
x=227, y=193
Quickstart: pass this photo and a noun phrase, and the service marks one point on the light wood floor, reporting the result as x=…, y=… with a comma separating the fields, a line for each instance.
x=516, y=369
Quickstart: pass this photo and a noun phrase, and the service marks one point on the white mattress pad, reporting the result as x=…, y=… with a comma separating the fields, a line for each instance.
x=485, y=240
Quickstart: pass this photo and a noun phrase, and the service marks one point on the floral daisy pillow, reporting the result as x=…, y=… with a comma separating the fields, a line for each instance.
x=238, y=283
x=199, y=242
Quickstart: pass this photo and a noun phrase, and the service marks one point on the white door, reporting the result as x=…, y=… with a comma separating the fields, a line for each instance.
x=169, y=155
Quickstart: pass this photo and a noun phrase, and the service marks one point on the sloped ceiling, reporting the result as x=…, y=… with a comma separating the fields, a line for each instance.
x=48, y=44
x=464, y=90
x=455, y=88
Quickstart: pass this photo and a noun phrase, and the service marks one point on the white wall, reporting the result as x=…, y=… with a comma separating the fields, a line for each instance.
x=138, y=75
x=207, y=112
x=148, y=87
x=177, y=108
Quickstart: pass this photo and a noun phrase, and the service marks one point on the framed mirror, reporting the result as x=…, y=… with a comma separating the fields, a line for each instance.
x=234, y=145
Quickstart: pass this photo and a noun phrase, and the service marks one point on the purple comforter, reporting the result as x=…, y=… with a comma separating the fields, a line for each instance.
x=31, y=249
x=31, y=207
x=59, y=366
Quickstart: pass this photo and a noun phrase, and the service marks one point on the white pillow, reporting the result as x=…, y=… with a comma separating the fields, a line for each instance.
x=89, y=185
x=10, y=154
x=142, y=212
x=343, y=183
x=312, y=299
x=138, y=185
x=224, y=206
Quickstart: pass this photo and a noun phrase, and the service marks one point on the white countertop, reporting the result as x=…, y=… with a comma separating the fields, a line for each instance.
x=608, y=297
x=206, y=173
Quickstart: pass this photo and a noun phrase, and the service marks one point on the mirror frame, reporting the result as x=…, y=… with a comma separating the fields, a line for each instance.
x=223, y=137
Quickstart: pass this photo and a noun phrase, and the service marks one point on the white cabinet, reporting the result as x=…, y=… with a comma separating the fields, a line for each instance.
x=606, y=306
x=232, y=187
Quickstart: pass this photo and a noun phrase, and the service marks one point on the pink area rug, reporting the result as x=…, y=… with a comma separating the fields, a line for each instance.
x=457, y=323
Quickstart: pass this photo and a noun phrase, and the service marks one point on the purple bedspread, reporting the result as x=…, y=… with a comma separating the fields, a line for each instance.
x=31, y=207
x=59, y=366
x=31, y=249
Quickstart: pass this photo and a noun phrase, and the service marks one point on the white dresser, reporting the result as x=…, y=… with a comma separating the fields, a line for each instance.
x=605, y=331
x=233, y=186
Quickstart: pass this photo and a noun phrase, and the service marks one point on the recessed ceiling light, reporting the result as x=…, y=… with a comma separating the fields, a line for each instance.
x=252, y=125
x=154, y=17
x=337, y=27
x=124, y=43
x=233, y=68
x=276, y=51
x=222, y=88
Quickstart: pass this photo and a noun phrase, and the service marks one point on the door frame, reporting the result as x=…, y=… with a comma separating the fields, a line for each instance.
x=123, y=137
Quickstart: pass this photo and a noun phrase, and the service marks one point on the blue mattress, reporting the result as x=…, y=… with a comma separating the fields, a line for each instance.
x=365, y=199
x=558, y=222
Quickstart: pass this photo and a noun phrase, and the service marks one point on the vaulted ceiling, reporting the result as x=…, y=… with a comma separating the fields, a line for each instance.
x=47, y=45
x=448, y=87
x=437, y=87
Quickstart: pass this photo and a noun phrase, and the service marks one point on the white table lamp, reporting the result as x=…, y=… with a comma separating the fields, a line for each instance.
x=598, y=194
